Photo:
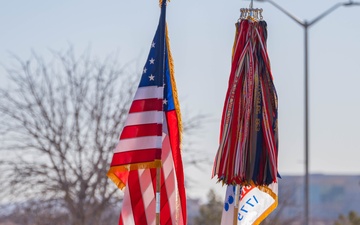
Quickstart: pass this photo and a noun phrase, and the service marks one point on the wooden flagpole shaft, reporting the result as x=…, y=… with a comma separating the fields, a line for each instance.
x=236, y=206
x=158, y=180
x=236, y=209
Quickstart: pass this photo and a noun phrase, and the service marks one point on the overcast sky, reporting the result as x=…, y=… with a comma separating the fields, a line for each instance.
x=202, y=33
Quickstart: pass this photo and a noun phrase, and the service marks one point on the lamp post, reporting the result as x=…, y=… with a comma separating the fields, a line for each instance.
x=306, y=25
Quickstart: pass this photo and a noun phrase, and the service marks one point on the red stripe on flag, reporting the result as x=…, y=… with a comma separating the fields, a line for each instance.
x=174, y=135
x=136, y=199
x=165, y=215
x=153, y=176
x=121, y=220
x=142, y=130
x=152, y=104
x=136, y=156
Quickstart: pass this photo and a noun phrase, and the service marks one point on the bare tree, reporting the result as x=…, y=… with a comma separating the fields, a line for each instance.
x=58, y=122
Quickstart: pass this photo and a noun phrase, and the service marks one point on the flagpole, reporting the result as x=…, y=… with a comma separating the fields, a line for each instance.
x=236, y=206
x=162, y=4
x=158, y=177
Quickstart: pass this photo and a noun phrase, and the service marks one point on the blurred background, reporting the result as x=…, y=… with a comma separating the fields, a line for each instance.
x=50, y=47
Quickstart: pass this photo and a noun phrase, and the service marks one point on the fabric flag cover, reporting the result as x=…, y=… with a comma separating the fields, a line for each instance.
x=248, y=150
x=151, y=137
x=256, y=203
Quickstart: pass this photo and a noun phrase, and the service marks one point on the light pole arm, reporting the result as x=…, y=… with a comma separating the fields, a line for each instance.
x=308, y=24
x=327, y=12
x=297, y=20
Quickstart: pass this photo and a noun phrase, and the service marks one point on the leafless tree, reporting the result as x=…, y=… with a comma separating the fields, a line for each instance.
x=59, y=123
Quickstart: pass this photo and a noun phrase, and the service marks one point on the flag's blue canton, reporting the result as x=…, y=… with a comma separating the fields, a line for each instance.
x=152, y=72
x=157, y=65
x=168, y=92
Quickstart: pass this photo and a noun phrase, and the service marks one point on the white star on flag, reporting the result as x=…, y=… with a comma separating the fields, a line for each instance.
x=165, y=101
x=144, y=70
x=153, y=45
x=151, y=77
x=152, y=61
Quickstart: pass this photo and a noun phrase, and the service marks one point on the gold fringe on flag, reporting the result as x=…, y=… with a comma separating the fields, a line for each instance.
x=113, y=171
x=173, y=83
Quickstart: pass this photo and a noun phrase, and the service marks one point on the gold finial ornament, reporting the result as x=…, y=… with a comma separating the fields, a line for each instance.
x=161, y=1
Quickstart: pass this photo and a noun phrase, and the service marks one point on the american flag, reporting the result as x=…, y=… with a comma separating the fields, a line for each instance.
x=151, y=138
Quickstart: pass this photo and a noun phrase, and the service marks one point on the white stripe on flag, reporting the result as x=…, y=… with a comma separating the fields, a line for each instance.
x=168, y=168
x=146, y=187
x=126, y=209
x=144, y=118
x=139, y=143
x=147, y=191
x=149, y=92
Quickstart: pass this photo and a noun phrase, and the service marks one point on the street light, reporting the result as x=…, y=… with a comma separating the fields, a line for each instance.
x=305, y=24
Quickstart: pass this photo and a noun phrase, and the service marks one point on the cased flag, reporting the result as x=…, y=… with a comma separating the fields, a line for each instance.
x=151, y=138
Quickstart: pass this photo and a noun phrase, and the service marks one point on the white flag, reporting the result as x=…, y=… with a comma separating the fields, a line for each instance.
x=256, y=203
